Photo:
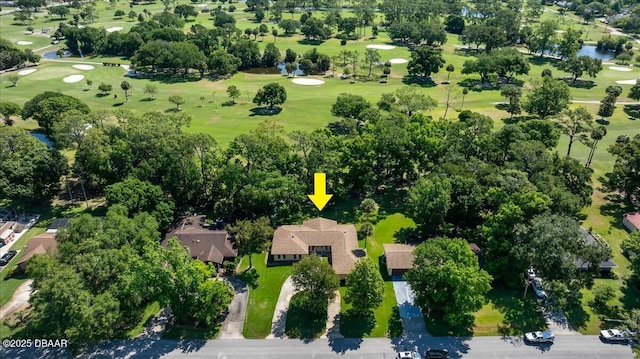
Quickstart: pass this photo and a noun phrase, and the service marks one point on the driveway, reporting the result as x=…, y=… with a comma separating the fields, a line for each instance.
x=410, y=313
x=333, y=319
x=558, y=322
x=234, y=322
x=280, y=314
x=20, y=300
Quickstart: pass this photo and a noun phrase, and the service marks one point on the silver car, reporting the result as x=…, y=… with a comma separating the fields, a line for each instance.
x=614, y=335
x=539, y=337
x=408, y=355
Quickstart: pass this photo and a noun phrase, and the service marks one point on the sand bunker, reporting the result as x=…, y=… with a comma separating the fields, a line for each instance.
x=115, y=28
x=398, y=61
x=73, y=78
x=82, y=67
x=26, y=72
x=381, y=47
x=616, y=68
x=627, y=82
x=307, y=82
x=24, y=43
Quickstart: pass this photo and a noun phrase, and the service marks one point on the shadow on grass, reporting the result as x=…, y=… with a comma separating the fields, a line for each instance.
x=355, y=324
x=172, y=110
x=228, y=103
x=579, y=83
x=630, y=293
x=101, y=95
x=118, y=104
x=249, y=276
x=310, y=42
x=616, y=207
x=476, y=85
x=438, y=327
x=419, y=80
x=516, y=119
x=542, y=61
x=265, y=111
x=172, y=78
x=633, y=111
x=520, y=315
x=147, y=99
x=302, y=323
x=395, y=323
x=577, y=316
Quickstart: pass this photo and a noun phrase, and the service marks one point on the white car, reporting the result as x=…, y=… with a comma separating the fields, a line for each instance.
x=536, y=283
x=614, y=335
x=539, y=337
x=408, y=355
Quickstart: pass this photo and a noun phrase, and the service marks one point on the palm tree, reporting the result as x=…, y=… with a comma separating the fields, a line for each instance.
x=126, y=86
x=596, y=135
x=465, y=91
x=450, y=69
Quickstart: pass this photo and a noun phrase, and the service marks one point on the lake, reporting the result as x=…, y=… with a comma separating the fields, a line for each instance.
x=42, y=137
x=592, y=51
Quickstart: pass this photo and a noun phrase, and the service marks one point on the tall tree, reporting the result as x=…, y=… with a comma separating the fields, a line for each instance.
x=252, y=236
x=365, y=286
x=623, y=180
x=425, y=60
x=371, y=56
x=597, y=134
x=233, y=93
x=272, y=94
x=547, y=98
x=447, y=278
x=316, y=277
x=8, y=109
x=428, y=202
x=513, y=94
x=125, y=86
x=608, y=104
x=574, y=124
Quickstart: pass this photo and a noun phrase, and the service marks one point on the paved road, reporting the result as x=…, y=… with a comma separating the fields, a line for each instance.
x=566, y=347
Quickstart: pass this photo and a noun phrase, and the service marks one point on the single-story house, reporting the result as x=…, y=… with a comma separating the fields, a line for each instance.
x=320, y=236
x=40, y=244
x=398, y=258
x=205, y=241
x=57, y=224
x=604, y=266
x=6, y=232
x=631, y=220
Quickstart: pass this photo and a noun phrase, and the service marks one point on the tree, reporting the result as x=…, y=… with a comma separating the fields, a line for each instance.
x=13, y=79
x=125, y=86
x=184, y=11
x=271, y=55
x=314, y=29
x=316, y=277
x=623, y=179
x=252, y=236
x=570, y=43
x=371, y=56
x=28, y=169
x=47, y=108
x=632, y=244
x=349, y=106
x=89, y=83
x=60, y=10
x=428, y=202
x=607, y=105
x=105, y=88
x=580, y=64
x=409, y=100
x=634, y=92
x=368, y=206
x=447, y=278
x=513, y=94
x=597, y=134
x=289, y=26
x=547, y=98
x=274, y=33
x=450, y=68
x=365, y=286
x=574, y=124
x=8, y=109
x=151, y=90
x=141, y=196
x=233, y=93
x=272, y=94
x=176, y=100
x=602, y=294
x=465, y=92
x=222, y=63
x=425, y=60
x=33, y=4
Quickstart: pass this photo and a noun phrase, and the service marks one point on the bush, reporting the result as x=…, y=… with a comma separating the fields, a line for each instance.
x=105, y=88
x=231, y=8
x=602, y=294
x=119, y=13
x=229, y=267
x=30, y=29
x=343, y=42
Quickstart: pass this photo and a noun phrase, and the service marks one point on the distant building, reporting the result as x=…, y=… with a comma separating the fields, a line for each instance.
x=40, y=244
x=398, y=258
x=6, y=232
x=58, y=223
x=320, y=236
x=631, y=220
x=604, y=266
x=207, y=242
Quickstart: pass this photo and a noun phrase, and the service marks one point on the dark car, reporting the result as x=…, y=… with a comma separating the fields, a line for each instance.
x=437, y=354
x=7, y=257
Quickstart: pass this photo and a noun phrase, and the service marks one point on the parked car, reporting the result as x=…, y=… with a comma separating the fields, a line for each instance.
x=530, y=274
x=437, y=354
x=614, y=335
x=7, y=257
x=409, y=355
x=539, y=337
x=536, y=283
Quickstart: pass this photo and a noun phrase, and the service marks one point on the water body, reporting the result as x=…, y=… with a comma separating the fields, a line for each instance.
x=51, y=55
x=592, y=51
x=279, y=69
x=43, y=138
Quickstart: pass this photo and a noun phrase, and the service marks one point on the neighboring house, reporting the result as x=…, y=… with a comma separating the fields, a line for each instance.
x=320, y=236
x=207, y=242
x=40, y=244
x=631, y=220
x=604, y=266
x=398, y=258
x=57, y=224
x=6, y=232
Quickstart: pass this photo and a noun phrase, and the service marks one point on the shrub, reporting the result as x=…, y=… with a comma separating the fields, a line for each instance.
x=229, y=267
x=105, y=88
x=231, y=8
x=343, y=42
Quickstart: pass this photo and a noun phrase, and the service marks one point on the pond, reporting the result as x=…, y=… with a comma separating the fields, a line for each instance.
x=592, y=51
x=42, y=137
x=279, y=69
x=51, y=55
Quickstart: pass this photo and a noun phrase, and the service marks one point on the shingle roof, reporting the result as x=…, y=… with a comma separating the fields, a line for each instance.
x=40, y=244
x=59, y=223
x=633, y=218
x=342, y=238
x=591, y=240
x=399, y=256
x=205, y=244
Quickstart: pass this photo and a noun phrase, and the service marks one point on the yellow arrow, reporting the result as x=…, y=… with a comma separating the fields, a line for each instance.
x=320, y=196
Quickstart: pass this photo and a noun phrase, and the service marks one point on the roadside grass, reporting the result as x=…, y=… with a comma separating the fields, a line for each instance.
x=263, y=297
x=506, y=313
x=149, y=312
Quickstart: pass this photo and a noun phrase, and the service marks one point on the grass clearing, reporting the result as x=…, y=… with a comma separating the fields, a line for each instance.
x=149, y=312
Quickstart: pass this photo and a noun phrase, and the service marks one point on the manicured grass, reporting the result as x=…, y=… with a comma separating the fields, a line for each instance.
x=506, y=312
x=263, y=297
x=150, y=311
x=301, y=323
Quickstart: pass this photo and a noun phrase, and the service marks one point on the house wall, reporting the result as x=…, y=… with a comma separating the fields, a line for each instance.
x=288, y=257
x=629, y=225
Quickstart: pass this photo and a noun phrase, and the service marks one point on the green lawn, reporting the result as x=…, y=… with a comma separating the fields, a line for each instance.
x=150, y=311
x=263, y=296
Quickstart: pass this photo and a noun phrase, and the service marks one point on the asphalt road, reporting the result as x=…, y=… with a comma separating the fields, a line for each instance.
x=566, y=347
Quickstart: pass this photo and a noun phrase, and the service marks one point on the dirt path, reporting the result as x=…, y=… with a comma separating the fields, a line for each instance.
x=20, y=300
